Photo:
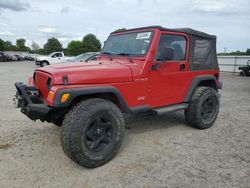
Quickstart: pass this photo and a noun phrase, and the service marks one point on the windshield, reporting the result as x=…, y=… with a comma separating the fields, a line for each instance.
x=83, y=57
x=136, y=43
x=51, y=54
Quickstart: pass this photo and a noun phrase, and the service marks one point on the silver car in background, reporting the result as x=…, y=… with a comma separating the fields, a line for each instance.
x=89, y=56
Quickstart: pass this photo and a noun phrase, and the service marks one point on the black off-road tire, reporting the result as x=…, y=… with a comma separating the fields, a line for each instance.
x=44, y=63
x=79, y=142
x=242, y=73
x=203, y=109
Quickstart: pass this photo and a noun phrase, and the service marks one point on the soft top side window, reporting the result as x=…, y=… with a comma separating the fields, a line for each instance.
x=201, y=50
x=171, y=48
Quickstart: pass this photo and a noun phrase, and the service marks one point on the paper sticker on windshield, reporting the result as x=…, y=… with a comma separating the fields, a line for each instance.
x=145, y=35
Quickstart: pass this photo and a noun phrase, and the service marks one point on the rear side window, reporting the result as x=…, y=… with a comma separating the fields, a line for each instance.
x=59, y=55
x=201, y=50
x=174, y=44
x=202, y=53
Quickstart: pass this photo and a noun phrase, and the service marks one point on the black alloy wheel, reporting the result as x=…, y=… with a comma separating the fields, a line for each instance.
x=99, y=133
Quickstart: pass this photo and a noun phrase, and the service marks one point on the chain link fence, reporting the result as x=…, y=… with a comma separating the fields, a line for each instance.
x=232, y=63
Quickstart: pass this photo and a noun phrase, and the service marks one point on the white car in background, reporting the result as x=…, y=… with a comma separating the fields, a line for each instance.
x=53, y=58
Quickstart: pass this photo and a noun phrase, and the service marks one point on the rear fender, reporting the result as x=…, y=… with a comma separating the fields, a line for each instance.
x=201, y=81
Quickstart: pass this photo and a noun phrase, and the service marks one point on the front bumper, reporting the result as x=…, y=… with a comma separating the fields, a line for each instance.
x=27, y=98
x=38, y=62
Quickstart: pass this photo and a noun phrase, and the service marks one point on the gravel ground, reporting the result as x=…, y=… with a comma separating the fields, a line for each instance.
x=158, y=151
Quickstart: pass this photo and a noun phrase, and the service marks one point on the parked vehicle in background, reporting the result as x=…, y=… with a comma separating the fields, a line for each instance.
x=9, y=58
x=3, y=57
x=53, y=58
x=19, y=57
x=29, y=58
x=245, y=70
x=152, y=69
x=13, y=57
x=89, y=56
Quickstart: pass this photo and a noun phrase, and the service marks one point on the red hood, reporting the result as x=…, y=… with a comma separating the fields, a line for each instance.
x=88, y=73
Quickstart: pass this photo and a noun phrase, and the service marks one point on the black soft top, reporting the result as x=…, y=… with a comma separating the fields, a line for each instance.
x=188, y=31
x=202, y=50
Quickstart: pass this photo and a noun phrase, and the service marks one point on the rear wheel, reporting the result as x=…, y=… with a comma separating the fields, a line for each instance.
x=203, y=108
x=92, y=132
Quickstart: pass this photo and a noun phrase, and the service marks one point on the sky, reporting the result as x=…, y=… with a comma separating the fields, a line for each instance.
x=38, y=20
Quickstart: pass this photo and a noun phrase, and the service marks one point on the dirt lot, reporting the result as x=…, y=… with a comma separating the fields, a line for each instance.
x=157, y=151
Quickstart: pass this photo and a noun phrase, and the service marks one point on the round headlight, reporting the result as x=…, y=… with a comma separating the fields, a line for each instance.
x=49, y=83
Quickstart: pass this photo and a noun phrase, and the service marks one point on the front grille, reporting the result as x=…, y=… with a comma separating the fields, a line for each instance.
x=41, y=83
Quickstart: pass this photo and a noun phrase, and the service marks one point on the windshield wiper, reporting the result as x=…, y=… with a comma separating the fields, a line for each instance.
x=124, y=54
x=127, y=55
x=107, y=53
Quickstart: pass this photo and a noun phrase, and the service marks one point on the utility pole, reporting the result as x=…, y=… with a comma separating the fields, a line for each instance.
x=225, y=50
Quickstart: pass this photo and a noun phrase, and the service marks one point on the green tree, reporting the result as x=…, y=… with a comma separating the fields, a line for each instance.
x=248, y=51
x=236, y=53
x=9, y=46
x=52, y=45
x=120, y=29
x=75, y=48
x=91, y=43
x=2, y=45
x=41, y=51
x=20, y=45
x=35, y=46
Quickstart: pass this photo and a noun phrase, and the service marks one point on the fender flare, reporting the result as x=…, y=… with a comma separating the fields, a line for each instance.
x=77, y=92
x=195, y=82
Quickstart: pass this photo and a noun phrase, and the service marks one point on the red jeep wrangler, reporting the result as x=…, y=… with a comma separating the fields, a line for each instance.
x=149, y=69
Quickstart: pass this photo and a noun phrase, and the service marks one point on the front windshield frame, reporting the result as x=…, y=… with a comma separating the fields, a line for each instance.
x=124, y=33
x=83, y=57
x=51, y=54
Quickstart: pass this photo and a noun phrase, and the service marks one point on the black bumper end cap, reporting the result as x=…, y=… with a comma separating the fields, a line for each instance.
x=35, y=111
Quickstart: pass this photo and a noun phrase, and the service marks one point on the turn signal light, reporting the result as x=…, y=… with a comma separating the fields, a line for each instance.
x=65, y=97
x=51, y=95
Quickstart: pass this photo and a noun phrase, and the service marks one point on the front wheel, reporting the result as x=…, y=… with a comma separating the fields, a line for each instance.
x=44, y=63
x=242, y=73
x=92, y=132
x=203, y=109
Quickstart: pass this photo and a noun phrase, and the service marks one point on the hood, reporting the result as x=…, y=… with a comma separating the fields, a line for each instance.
x=88, y=73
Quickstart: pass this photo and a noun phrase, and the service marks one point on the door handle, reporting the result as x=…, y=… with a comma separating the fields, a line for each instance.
x=182, y=67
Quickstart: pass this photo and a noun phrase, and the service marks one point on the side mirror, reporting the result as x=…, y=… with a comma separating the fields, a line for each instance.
x=165, y=54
